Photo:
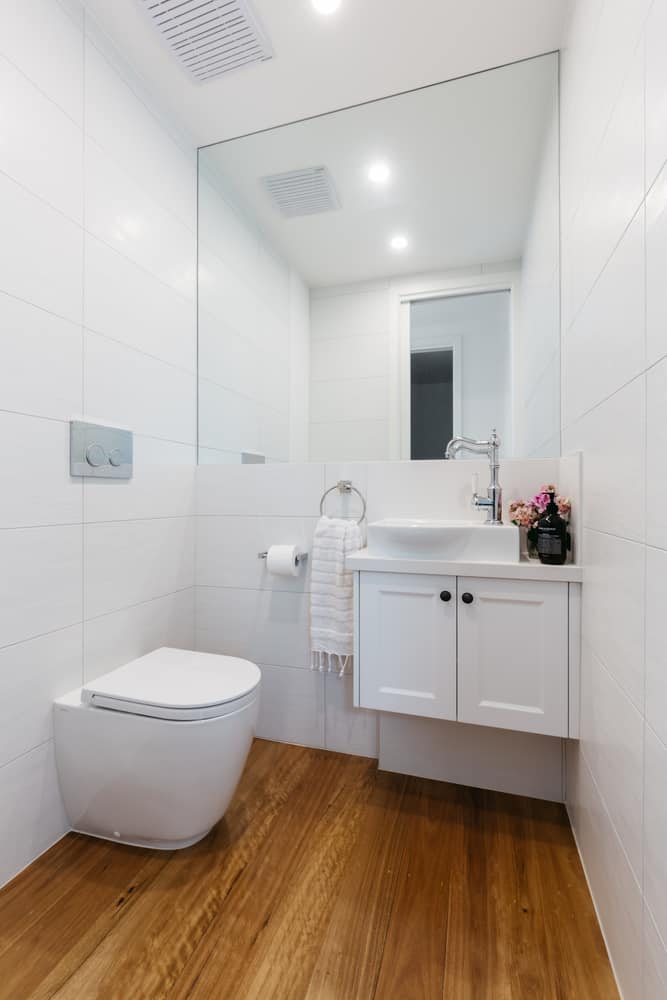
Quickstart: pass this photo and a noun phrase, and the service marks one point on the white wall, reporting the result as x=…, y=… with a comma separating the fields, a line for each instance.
x=97, y=269
x=242, y=610
x=253, y=337
x=355, y=375
x=614, y=307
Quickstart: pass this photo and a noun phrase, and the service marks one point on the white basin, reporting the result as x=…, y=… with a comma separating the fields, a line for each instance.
x=469, y=541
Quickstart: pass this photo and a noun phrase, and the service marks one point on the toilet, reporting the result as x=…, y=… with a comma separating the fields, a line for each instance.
x=150, y=754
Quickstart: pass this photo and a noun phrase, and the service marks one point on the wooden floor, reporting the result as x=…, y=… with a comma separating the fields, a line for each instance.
x=327, y=880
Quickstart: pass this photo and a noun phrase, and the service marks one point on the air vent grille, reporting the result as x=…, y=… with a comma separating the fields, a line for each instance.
x=210, y=37
x=302, y=192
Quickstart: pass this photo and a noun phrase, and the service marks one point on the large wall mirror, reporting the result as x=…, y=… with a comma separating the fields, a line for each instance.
x=376, y=280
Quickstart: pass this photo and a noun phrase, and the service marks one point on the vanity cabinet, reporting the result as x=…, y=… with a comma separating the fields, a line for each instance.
x=407, y=643
x=513, y=654
x=487, y=651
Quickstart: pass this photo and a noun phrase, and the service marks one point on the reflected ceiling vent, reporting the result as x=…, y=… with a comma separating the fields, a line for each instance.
x=210, y=37
x=302, y=192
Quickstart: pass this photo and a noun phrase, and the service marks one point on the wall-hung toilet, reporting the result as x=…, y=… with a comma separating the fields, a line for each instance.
x=151, y=753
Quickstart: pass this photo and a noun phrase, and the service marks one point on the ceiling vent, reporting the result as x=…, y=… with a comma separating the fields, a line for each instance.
x=302, y=192
x=210, y=37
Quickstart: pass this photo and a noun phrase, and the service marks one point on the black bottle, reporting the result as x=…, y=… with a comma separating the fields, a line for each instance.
x=553, y=539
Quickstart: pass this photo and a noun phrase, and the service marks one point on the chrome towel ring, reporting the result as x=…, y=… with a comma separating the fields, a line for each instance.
x=344, y=486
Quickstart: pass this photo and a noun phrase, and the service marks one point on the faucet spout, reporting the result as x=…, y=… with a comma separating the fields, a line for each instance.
x=493, y=501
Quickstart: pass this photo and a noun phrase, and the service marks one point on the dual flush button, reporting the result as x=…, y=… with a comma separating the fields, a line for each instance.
x=99, y=451
x=97, y=456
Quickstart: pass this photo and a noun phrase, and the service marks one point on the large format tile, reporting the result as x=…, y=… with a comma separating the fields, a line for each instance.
x=125, y=387
x=33, y=814
x=656, y=90
x=656, y=262
x=115, y=639
x=41, y=146
x=348, y=729
x=40, y=584
x=656, y=641
x=273, y=490
x=613, y=608
x=35, y=485
x=52, y=388
x=617, y=894
x=655, y=830
x=52, y=57
x=612, y=737
x=350, y=399
x=228, y=546
x=155, y=490
x=356, y=440
x=125, y=127
x=368, y=357
x=291, y=708
x=655, y=961
x=32, y=675
x=265, y=626
x=41, y=253
x=656, y=444
x=612, y=438
x=127, y=562
x=149, y=315
x=340, y=315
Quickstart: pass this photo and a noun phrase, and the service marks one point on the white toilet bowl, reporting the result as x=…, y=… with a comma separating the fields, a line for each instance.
x=150, y=754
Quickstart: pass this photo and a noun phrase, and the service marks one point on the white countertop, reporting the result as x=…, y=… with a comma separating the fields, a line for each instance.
x=527, y=569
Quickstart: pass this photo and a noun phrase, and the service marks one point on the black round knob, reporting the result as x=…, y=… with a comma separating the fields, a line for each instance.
x=467, y=598
x=445, y=595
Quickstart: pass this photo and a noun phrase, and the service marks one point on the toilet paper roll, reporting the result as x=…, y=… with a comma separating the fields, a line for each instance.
x=282, y=560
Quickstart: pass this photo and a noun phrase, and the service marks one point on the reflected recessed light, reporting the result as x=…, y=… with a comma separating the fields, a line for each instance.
x=398, y=242
x=326, y=6
x=378, y=173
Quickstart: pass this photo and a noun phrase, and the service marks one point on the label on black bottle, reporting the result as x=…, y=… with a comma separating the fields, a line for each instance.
x=549, y=544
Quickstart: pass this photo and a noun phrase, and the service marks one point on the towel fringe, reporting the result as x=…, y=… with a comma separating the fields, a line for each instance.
x=330, y=663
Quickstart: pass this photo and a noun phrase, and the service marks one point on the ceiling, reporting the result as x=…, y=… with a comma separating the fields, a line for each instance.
x=464, y=159
x=368, y=49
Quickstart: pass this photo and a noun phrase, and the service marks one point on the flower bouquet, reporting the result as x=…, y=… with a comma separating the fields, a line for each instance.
x=526, y=514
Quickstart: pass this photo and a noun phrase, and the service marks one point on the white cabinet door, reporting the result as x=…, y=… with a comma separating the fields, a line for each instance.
x=407, y=643
x=513, y=654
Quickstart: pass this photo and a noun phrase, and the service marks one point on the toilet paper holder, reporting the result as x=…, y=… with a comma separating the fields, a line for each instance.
x=301, y=558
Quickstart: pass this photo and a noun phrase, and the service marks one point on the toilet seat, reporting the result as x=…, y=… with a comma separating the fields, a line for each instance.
x=176, y=684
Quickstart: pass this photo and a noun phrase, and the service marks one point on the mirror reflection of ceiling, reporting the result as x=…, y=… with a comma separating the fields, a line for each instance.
x=463, y=157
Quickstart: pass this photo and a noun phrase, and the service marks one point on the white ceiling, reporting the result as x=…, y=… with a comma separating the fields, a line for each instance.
x=368, y=49
x=464, y=159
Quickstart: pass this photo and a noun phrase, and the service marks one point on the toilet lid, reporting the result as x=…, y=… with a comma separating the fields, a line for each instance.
x=176, y=684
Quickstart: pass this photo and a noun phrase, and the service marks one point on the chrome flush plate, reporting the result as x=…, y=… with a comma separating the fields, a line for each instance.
x=100, y=452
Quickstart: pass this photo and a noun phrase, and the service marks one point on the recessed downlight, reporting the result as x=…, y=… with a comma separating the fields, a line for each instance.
x=379, y=172
x=398, y=242
x=326, y=7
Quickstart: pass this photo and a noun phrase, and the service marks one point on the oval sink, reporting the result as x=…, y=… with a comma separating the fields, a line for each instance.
x=469, y=541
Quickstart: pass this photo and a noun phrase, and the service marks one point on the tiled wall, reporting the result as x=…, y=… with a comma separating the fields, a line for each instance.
x=242, y=610
x=253, y=336
x=614, y=307
x=97, y=269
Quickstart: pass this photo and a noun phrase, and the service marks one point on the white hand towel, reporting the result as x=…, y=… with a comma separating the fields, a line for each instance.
x=331, y=594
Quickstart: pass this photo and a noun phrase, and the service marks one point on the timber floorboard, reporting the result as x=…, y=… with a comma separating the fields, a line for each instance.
x=326, y=880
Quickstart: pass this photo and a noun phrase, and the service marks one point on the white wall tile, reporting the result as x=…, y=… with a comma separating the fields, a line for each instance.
x=656, y=641
x=52, y=388
x=124, y=215
x=350, y=399
x=655, y=830
x=227, y=549
x=127, y=562
x=41, y=260
x=655, y=961
x=127, y=388
x=348, y=729
x=656, y=91
x=332, y=359
x=615, y=890
x=612, y=742
x=291, y=491
x=42, y=148
x=656, y=443
x=355, y=440
x=35, y=484
x=164, y=490
x=46, y=44
x=40, y=586
x=32, y=675
x=291, y=708
x=656, y=261
x=116, y=638
x=613, y=608
x=33, y=814
x=258, y=625
x=359, y=314
x=149, y=316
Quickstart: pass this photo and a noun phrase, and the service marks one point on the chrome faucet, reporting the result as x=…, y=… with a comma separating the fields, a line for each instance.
x=493, y=501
